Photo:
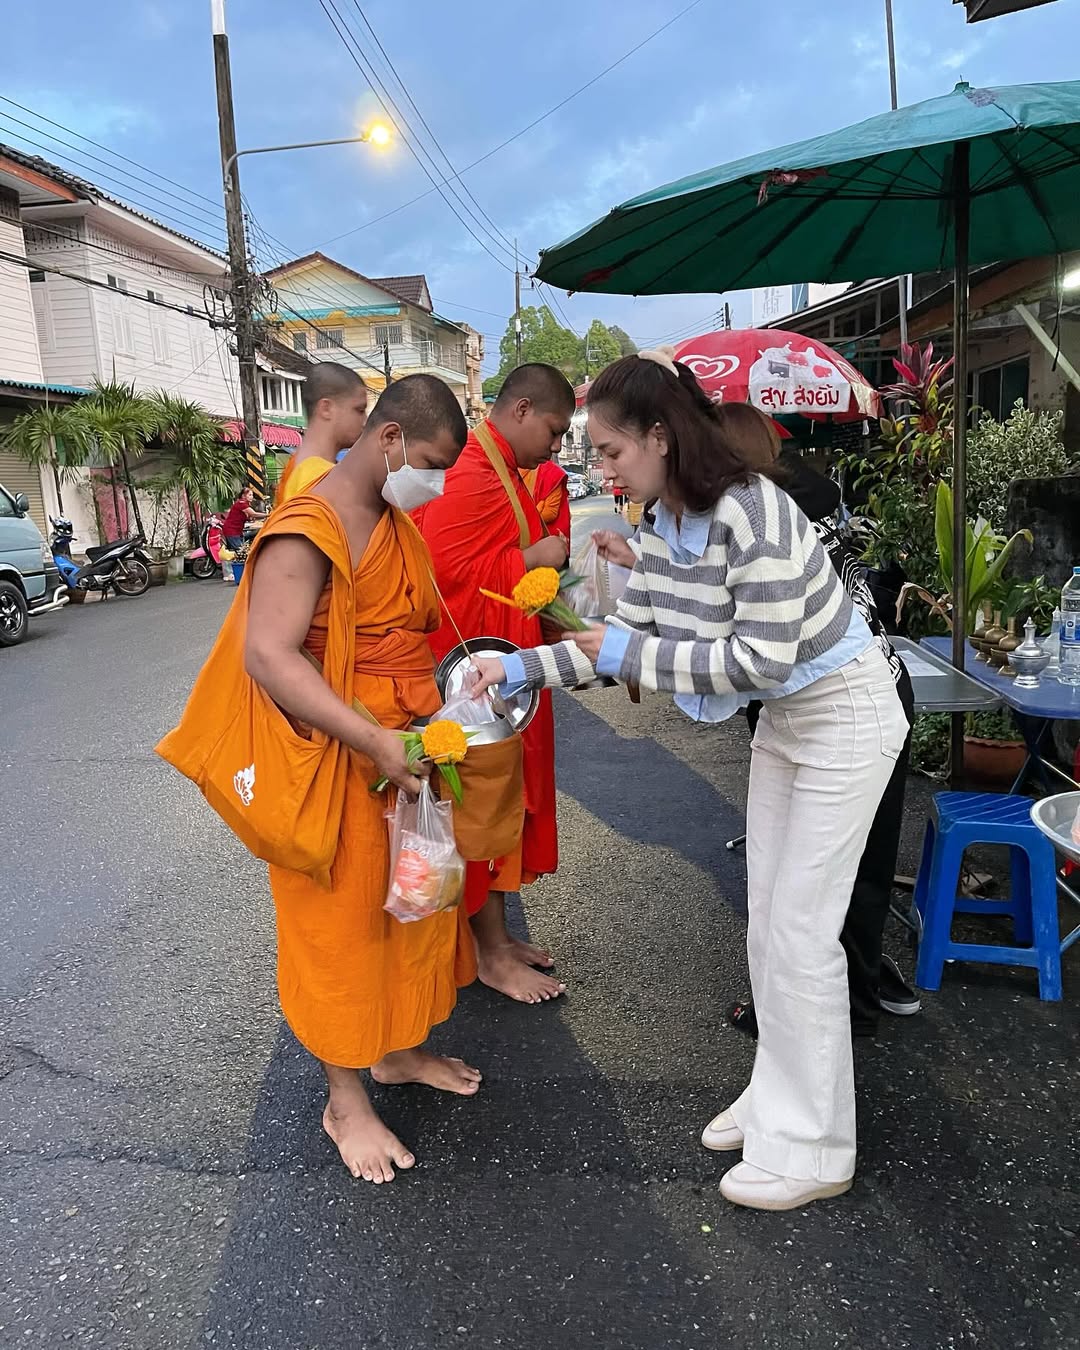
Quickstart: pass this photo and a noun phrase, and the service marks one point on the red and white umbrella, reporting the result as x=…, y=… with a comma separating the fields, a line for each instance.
x=782, y=373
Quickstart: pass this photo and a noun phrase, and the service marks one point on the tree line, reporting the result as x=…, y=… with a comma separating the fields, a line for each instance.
x=544, y=339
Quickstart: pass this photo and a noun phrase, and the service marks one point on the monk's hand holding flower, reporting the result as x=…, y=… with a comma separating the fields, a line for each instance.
x=392, y=761
x=590, y=641
x=483, y=673
x=612, y=547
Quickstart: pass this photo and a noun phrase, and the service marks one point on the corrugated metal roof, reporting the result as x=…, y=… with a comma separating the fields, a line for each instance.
x=42, y=388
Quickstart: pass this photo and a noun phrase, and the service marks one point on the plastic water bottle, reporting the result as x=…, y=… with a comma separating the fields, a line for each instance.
x=1052, y=645
x=1070, y=631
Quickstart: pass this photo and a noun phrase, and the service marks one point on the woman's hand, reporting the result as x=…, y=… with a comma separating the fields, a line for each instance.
x=483, y=673
x=612, y=547
x=392, y=762
x=590, y=641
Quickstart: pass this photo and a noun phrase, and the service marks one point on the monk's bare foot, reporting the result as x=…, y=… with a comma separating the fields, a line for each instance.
x=502, y=969
x=531, y=954
x=368, y=1149
x=420, y=1066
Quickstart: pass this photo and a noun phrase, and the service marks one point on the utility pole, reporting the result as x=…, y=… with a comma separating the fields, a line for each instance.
x=386, y=362
x=902, y=283
x=517, y=307
x=238, y=257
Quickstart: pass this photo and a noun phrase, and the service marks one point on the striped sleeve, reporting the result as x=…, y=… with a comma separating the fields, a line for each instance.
x=561, y=665
x=781, y=585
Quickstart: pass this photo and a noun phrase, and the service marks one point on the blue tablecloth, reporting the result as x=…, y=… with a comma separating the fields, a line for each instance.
x=1050, y=700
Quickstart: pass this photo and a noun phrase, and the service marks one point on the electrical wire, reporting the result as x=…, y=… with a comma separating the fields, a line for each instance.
x=387, y=103
x=528, y=127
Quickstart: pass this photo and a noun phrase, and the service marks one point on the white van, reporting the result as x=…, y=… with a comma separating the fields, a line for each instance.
x=29, y=580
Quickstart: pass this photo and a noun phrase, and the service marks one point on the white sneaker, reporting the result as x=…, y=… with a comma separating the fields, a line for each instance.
x=722, y=1135
x=755, y=1188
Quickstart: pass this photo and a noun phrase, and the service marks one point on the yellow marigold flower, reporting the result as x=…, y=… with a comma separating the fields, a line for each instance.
x=537, y=588
x=444, y=742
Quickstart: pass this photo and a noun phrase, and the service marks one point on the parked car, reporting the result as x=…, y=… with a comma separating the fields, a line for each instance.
x=30, y=582
x=576, y=486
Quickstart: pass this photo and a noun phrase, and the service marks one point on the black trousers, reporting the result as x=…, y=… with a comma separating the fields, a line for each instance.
x=869, y=908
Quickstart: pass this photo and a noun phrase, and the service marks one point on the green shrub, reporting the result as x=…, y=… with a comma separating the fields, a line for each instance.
x=1028, y=445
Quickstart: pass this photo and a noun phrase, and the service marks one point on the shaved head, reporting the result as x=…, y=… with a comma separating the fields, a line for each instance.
x=423, y=407
x=328, y=379
x=547, y=389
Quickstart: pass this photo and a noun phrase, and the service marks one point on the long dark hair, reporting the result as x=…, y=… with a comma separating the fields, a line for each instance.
x=635, y=393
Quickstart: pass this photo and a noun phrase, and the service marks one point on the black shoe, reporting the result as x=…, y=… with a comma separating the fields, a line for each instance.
x=896, y=995
x=742, y=1017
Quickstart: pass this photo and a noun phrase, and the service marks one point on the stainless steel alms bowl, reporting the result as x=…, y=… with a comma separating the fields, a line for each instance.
x=450, y=676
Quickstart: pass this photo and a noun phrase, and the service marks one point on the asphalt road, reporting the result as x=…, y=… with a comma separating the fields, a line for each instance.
x=165, y=1182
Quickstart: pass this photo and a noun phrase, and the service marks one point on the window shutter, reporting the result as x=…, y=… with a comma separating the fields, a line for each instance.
x=43, y=314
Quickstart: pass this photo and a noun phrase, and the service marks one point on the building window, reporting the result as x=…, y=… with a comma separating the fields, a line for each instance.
x=37, y=276
x=329, y=337
x=280, y=396
x=117, y=283
x=996, y=389
x=155, y=296
x=386, y=333
x=159, y=336
x=123, y=333
x=299, y=342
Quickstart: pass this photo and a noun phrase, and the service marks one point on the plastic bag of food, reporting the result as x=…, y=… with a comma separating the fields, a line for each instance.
x=1076, y=829
x=590, y=595
x=465, y=711
x=427, y=873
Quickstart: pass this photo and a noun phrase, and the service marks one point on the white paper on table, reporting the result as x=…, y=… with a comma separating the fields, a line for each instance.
x=916, y=665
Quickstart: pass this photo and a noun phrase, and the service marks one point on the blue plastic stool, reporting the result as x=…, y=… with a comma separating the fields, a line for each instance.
x=958, y=820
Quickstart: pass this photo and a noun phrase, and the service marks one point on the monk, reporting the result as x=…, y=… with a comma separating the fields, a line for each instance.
x=359, y=989
x=486, y=531
x=547, y=486
x=335, y=401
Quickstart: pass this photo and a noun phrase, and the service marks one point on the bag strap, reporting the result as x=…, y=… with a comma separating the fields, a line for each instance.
x=357, y=705
x=483, y=435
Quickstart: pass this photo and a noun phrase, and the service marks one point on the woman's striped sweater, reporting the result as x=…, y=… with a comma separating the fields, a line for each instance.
x=762, y=599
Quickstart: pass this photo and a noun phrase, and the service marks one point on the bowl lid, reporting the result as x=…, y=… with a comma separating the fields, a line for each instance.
x=451, y=671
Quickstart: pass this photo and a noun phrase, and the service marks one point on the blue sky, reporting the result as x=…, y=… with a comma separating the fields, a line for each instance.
x=727, y=79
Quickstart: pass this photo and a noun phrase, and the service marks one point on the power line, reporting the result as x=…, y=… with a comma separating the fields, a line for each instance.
x=115, y=153
x=518, y=134
x=349, y=42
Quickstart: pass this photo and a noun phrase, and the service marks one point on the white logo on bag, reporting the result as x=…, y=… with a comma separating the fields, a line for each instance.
x=244, y=783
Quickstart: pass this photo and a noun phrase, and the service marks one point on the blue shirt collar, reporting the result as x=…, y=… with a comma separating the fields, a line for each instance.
x=689, y=537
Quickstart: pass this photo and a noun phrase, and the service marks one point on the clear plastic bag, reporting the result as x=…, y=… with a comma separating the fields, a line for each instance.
x=427, y=873
x=589, y=597
x=465, y=711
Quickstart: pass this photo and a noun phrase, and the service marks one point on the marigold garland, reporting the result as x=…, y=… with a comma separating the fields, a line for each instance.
x=538, y=593
x=444, y=742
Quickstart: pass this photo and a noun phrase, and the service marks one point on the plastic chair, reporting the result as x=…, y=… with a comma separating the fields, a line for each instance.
x=958, y=820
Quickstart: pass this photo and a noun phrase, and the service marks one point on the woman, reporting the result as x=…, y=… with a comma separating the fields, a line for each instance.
x=732, y=598
x=238, y=515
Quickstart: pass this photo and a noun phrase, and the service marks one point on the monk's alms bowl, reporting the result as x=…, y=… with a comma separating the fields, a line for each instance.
x=452, y=672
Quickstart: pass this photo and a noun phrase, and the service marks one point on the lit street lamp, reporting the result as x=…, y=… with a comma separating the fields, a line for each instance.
x=378, y=134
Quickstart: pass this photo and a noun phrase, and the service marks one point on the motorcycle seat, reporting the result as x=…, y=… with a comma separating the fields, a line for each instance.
x=99, y=550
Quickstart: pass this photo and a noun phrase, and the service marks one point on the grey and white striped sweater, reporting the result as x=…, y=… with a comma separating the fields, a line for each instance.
x=762, y=599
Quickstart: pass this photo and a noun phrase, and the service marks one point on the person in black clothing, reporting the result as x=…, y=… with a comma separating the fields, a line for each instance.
x=874, y=980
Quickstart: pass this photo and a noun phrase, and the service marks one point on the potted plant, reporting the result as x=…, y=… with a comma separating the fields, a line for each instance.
x=994, y=753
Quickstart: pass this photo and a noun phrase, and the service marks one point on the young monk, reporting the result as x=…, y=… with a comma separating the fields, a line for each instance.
x=335, y=403
x=486, y=531
x=546, y=485
x=359, y=989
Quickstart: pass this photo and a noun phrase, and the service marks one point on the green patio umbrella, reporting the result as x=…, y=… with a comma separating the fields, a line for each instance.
x=977, y=176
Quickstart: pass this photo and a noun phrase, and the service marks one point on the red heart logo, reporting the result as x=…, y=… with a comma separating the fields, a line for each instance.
x=820, y=371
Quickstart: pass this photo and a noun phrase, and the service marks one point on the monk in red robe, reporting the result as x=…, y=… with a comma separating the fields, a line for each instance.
x=335, y=402
x=486, y=531
x=547, y=486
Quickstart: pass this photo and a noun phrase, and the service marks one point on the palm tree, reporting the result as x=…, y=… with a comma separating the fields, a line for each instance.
x=119, y=422
x=52, y=437
x=206, y=467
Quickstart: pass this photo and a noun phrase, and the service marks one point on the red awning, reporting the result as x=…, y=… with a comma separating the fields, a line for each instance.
x=273, y=434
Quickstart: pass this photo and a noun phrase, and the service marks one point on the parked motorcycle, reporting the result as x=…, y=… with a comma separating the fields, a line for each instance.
x=120, y=566
x=205, y=560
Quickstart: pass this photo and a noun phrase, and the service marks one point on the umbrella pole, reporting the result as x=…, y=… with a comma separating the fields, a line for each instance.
x=961, y=316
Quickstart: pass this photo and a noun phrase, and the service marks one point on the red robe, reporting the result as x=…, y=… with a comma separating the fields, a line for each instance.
x=474, y=538
x=548, y=487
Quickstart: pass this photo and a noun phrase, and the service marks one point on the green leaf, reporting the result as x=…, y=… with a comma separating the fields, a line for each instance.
x=452, y=779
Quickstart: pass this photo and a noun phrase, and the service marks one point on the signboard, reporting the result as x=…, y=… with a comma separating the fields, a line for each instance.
x=771, y=303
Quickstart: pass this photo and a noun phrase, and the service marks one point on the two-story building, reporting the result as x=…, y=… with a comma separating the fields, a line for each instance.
x=376, y=325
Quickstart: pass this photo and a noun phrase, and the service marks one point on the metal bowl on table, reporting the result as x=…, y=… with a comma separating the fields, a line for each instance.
x=1055, y=817
x=451, y=672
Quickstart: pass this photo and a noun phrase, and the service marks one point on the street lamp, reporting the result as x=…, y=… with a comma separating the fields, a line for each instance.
x=378, y=134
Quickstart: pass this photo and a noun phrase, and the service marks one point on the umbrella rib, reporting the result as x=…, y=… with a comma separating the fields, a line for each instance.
x=1031, y=189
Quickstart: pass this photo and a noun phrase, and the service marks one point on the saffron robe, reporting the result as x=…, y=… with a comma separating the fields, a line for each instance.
x=547, y=486
x=355, y=984
x=474, y=536
x=300, y=476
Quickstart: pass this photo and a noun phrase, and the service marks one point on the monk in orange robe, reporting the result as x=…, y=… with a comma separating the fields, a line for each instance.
x=486, y=531
x=360, y=989
x=335, y=403
x=547, y=486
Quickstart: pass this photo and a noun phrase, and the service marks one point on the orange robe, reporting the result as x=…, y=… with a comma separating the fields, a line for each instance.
x=546, y=485
x=355, y=984
x=475, y=541
x=300, y=476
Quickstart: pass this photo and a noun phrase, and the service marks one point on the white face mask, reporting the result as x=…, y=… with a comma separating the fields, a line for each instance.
x=408, y=488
